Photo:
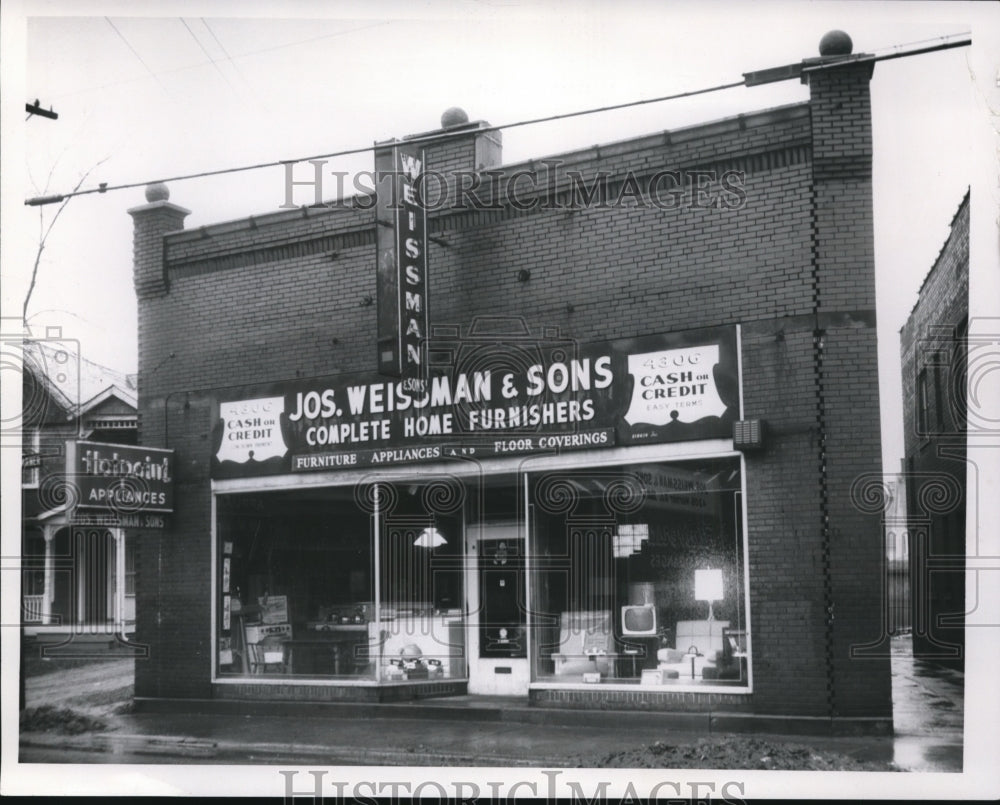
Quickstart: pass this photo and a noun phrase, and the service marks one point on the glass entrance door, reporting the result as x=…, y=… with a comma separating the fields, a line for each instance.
x=498, y=651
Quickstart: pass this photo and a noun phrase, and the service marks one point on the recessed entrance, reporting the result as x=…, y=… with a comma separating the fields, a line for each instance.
x=498, y=651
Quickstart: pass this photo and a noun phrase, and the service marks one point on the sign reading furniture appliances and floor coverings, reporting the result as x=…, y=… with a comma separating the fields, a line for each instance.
x=659, y=388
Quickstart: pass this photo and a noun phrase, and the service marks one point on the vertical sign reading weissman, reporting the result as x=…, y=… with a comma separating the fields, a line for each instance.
x=401, y=242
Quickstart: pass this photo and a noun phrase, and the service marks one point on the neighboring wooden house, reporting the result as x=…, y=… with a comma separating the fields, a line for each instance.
x=78, y=575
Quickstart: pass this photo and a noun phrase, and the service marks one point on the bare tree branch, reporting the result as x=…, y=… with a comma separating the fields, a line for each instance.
x=44, y=236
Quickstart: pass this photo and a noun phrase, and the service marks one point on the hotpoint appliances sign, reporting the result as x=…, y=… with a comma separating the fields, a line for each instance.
x=123, y=479
x=526, y=399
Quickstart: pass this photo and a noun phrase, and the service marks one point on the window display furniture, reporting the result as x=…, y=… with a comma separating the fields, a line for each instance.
x=267, y=655
x=698, y=645
x=731, y=663
x=419, y=645
x=586, y=644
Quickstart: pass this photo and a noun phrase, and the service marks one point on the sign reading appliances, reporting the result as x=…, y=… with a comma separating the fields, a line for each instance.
x=674, y=387
x=122, y=478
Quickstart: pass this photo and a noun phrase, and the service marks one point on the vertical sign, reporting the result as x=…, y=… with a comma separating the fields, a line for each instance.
x=401, y=241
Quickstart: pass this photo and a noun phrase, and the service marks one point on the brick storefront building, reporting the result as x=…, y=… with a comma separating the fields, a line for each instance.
x=564, y=515
x=933, y=351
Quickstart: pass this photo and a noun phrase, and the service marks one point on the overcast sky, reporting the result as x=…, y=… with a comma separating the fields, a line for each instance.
x=142, y=98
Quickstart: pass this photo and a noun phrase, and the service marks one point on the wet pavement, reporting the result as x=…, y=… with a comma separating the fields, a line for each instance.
x=927, y=711
x=928, y=703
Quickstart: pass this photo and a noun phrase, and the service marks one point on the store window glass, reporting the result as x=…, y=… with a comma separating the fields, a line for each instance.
x=297, y=584
x=638, y=575
x=422, y=627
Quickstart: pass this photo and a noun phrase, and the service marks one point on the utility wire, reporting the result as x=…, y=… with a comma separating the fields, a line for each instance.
x=921, y=41
x=136, y=54
x=436, y=137
x=209, y=55
x=172, y=70
x=224, y=51
x=791, y=71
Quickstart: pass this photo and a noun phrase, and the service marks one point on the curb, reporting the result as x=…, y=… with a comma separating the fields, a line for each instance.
x=180, y=747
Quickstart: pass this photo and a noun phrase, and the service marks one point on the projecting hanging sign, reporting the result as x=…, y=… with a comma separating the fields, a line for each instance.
x=120, y=478
x=401, y=268
x=497, y=397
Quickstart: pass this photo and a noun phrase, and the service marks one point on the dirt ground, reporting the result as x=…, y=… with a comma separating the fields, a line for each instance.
x=733, y=752
x=94, y=689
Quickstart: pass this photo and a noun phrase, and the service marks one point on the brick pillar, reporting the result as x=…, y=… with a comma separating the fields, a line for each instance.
x=150, y=223
x=852, y=556
x=458, y=146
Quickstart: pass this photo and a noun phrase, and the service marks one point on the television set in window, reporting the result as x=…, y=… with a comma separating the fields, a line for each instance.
x=638, y=620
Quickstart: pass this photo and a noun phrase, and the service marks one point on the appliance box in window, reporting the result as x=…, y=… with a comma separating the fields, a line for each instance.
x=274, y=609
x=257, y=633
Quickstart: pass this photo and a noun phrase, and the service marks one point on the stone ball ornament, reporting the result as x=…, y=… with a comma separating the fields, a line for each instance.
x=835, y=43
x=454, y=116
x=157, y=191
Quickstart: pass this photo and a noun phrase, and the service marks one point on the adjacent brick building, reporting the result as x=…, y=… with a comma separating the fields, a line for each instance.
x=568, y=548
x=933, y=350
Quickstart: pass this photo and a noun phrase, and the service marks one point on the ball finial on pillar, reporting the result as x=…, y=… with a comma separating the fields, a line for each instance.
x=835, y=43
x=453, y=117
x=157, y=191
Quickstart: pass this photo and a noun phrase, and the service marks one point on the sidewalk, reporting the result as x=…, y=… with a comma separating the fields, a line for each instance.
x=928, y=703
x=928, y=711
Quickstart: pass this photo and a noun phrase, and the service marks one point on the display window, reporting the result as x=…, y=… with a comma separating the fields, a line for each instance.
x=340, y=583
x=638, y=575
x=421, y=631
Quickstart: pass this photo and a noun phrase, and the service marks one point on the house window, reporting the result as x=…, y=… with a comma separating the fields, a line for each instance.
x=957, y=386
x=32, y=460
x=938, y=398
x=923, y=403
x=33, y=562
x=129, y=567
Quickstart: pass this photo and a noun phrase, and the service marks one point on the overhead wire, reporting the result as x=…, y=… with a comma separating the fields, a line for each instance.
x=135, y=52
x=249, y=53
x=436, y=137
x=921, y=41
x=209, y=55
x=225, y=52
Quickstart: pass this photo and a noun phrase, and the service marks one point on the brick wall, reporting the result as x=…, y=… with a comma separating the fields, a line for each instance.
x=847, y=385
x=932, y=345
x=284, y=296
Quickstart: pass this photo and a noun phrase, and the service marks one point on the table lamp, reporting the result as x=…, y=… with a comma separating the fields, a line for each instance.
x=708, y=587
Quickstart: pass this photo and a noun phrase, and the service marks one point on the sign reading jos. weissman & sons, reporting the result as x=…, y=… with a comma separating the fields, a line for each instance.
x=493, y=399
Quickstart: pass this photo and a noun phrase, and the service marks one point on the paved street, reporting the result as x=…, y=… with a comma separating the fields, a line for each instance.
x=928, y=704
